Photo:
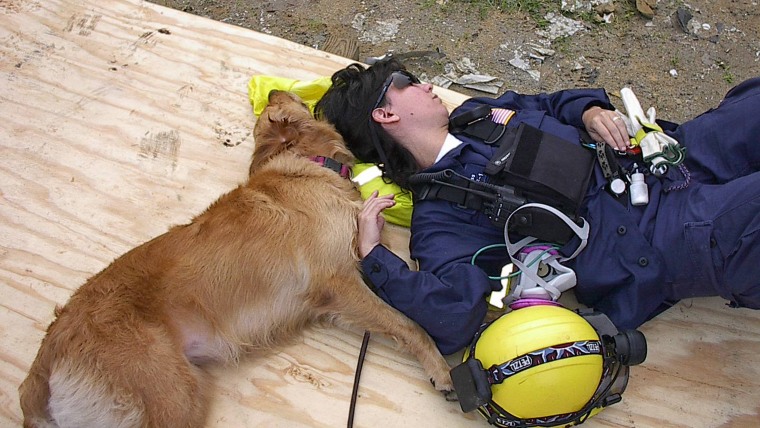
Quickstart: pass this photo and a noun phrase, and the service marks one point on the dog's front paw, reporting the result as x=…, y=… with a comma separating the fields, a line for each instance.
x=447, y=389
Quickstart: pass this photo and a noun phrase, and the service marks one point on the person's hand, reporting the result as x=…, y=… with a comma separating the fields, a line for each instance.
x=657, y=148
x=371, y=221
x=607, y=126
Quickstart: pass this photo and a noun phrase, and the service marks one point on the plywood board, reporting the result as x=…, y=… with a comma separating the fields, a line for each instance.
x=121, y=118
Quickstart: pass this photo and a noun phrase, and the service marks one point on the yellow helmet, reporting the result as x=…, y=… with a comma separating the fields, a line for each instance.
x=544, y=365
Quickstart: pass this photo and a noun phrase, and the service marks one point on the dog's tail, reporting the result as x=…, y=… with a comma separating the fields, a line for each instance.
x=34, y=394
x=61, y=394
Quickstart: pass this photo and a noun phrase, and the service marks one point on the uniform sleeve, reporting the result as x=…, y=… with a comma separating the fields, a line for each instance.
x=566, y=106
x=447, y=296
x=450, y=307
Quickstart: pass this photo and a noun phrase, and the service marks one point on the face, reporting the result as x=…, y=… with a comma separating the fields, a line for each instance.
x=412, y=101
x=412, y=115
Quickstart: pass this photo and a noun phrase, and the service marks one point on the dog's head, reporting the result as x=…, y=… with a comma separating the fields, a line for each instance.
x=286, y=125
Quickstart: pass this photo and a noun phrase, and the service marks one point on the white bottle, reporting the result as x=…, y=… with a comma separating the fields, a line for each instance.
x=639, y=190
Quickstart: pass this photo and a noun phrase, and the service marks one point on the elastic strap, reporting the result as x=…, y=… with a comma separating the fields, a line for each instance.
x=552, y=260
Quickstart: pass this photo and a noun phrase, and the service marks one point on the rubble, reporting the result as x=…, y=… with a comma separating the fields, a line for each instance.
x=383, y=31
x=697, y=29
x=583, y=6
x=528, y=54
x=528, y=57
x=465, y=65
x=631, y=49
x=471, y=78
x=480, y=82
x=524, y=65
x=537, y=51
x=560, y=26
x=465, y=73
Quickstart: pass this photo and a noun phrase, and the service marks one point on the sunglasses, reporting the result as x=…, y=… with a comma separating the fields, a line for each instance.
x=399, y=79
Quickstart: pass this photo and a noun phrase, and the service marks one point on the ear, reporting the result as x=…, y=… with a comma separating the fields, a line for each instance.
x=284, y=133
x=276, y=136
x=383, y=115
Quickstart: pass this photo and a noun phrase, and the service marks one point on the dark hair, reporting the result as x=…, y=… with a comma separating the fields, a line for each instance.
x=348, y=104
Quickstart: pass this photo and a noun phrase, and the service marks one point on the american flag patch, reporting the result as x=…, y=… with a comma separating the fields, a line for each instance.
x=501, y=115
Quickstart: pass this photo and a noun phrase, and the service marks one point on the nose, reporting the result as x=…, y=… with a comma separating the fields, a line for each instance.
x=428, y=87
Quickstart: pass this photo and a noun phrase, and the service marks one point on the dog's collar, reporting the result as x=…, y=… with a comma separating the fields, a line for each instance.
x=343, y=170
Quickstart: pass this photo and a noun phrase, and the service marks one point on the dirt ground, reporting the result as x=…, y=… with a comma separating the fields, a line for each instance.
x=681, y=59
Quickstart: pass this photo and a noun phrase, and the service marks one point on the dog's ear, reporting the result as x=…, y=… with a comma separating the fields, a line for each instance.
x=275, y=134
x=282, y=133
x=339, y=152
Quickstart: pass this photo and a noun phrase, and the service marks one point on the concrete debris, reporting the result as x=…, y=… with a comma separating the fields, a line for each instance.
x=582, y=6
x=491, y=88
x=689, y=24
x=465, y=65
x=464, y=72
x=694, y=26
x=536, y=57
x=581, y=63
x=605, y=9
x=544, y=51
x=524, y=65
x=480, y=82
x=443, y=82
x=358, y=22
x=469, y=79
x=560, y=26
x=697, y=29
x=382, y=31
x=449, y=69
x=683, y=15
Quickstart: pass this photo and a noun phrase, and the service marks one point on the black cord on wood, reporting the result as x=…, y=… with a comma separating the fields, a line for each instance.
x=357, y=375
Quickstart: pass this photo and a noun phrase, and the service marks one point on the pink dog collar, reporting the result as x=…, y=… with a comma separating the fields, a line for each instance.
x=343, y=170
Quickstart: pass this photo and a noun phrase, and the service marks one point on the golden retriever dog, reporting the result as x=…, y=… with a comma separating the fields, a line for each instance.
x=265, y=260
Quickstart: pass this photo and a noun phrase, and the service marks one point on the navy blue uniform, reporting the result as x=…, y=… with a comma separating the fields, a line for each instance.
x=698, y=236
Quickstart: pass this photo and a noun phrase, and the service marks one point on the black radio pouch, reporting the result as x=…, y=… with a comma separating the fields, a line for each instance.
x=543, y=167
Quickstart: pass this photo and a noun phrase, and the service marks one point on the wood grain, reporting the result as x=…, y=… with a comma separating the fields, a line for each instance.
x=121, y=118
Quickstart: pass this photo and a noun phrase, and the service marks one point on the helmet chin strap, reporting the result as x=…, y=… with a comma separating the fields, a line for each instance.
x=554, y=278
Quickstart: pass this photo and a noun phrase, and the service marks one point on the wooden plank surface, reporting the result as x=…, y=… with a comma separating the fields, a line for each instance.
x=121, y=118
